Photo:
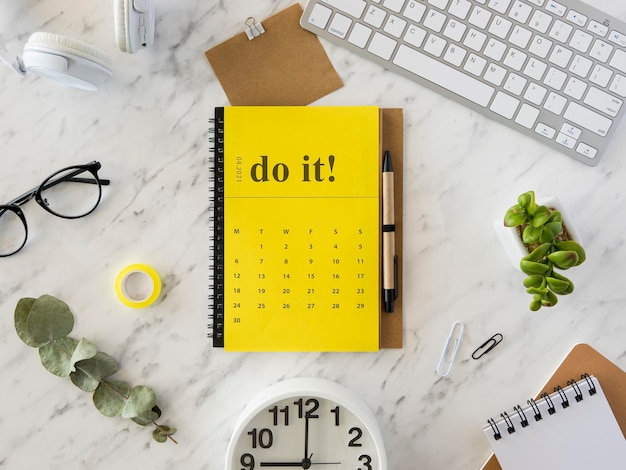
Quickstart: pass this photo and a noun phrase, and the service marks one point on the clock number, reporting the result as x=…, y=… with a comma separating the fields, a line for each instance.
x=354, y=441
x=264, y=438
x=312, y=402
x=247, y=460
x=335, y=411
x=285, y=411
x=367, y=462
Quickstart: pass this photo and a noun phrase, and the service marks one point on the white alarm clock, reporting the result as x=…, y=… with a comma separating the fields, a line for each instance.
x=306, y=423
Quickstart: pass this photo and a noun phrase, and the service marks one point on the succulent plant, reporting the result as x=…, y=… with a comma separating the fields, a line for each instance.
x=44, y=323
x=550, y=247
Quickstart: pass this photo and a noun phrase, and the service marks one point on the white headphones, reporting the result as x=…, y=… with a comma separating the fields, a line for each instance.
x=74, y=63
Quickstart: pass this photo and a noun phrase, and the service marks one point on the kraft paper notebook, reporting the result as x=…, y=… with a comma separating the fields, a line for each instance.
x=296, y=248
x=588, y=433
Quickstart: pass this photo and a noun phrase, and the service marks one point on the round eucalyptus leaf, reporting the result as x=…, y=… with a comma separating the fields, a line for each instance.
x=90, y=371
x=158, y=436
x=110, y=397
x=140, y=403
x=22, y=311
x=149, y=418
x=49, y=319
x=60, y=356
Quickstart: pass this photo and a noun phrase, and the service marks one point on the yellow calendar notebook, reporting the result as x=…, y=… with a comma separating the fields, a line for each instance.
x=296, y=222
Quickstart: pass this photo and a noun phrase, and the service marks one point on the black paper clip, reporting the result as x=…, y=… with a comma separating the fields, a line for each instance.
x=487, y=346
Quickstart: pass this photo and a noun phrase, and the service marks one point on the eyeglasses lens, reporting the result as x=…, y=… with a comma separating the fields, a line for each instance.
x=71, y=193
x=12, y=232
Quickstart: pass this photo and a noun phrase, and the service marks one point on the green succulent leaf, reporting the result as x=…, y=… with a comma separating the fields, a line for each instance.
x=558, y=286
x=514, y=216
x=20, y=319
x=59, y=356
x=91, y=371
x=564, y=259
x=571, y=245
x=534, y=280
x=563, y=278
x=535, y=305
x=555, y=216
x=538, y=253
x=541, y=216
x=527, y=201
x=550, y=231
x=531, y=234
x=49, y=319
x=110, y=397
x=531, y=267
x=549, y=300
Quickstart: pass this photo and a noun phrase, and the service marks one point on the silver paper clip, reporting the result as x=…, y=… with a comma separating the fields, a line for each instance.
x=253, y=29
x=487, y=346
x=450, y=349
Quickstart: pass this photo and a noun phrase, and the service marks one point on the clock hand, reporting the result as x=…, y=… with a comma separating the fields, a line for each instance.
x=306, y=437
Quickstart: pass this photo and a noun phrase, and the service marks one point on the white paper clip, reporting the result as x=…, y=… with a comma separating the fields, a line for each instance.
x=450, y=349
x=253, y=29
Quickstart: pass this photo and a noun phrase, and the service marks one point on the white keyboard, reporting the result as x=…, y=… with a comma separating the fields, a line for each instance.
x=555, y=71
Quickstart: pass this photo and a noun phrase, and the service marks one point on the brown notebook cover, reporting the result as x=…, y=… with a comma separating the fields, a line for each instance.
x=584, y=359
x=392, y=140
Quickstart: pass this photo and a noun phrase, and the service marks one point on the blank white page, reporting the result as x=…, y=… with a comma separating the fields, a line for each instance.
x=583, y=436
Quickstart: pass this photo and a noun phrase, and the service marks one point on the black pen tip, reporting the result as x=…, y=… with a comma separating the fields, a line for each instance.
x=387, y=166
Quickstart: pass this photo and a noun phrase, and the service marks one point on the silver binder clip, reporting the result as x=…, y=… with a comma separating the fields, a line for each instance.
x=253, y=29
x=450, y=349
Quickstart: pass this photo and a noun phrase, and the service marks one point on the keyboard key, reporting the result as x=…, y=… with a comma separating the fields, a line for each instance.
x=475, y=65
x=394, y=5
x=319, y=16
x=475, y=39
x=527, y=116
x=435, y=45
x=455, y=55
x=360, y=35
x=443, y=75
x=602, y=101
x=351, y=7
x=586, y=150
x=460, y=8
x=601, y=50
x=565, y=140
x=480, y=17
x=577, y=18
x=535, y=94
x=555, y=78
x=375, y=16
x=588, y=119
x=540, y=46
x=535, y=68
x=581, y=41
x=601, y=75
x=575, y=88
x=415, y=36
x=454, y=30
x=573, y=132
x=495, y=49
x=340, y=25
x=540, y=21
x=561, y=56
x=442, y=4
x=618, y=38
x=581, y=66
x=561, y=31
x=556, y=8
x=597, y=28
x=495, y=74
x=520, y=37
x=434, y=20
x=414, y=11
x=395, y=26
x=618, y=86
x=619, y=60
x=545, y=130
x=520, y=11
x=499, y=5
x=504, y=105
x=382, y=46
x=555, y=103
x=515, y=84
x=500, y=27
x=515, y=59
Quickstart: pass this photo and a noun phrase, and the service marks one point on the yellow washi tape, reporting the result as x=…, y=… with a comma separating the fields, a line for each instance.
x=138, y=285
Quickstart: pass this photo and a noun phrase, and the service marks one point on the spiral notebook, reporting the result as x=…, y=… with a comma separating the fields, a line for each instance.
x=296, y=244
x=573, y=428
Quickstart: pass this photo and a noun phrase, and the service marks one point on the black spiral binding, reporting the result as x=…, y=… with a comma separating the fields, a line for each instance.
x=216, y=269
x=547, y=399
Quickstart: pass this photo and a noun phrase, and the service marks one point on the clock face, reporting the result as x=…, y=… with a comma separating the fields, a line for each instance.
x=307, y=428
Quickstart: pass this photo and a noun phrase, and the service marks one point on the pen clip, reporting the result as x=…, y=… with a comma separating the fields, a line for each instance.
x=450, y=349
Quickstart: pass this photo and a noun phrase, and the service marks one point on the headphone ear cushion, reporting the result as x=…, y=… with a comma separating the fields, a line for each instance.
x=120, y=14
x=69, y=46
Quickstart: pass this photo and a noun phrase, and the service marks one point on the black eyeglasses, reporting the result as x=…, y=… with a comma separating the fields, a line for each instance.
x=70, y=193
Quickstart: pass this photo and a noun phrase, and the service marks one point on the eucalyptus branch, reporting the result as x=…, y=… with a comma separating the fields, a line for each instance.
x=44, y=323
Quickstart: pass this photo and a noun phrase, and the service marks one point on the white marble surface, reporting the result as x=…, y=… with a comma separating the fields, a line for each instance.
x=148, y=127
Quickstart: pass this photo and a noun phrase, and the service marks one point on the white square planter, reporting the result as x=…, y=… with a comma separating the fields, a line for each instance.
x=511, y=241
